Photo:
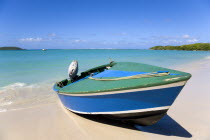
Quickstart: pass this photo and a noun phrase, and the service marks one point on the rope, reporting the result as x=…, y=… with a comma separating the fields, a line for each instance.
x=152, y=74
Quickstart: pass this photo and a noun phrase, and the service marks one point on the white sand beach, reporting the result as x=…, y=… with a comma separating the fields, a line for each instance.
x=188, y=118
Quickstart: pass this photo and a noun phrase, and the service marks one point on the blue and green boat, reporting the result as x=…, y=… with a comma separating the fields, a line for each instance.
x=132, y=92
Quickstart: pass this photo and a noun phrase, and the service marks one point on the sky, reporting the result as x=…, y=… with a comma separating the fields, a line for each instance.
x=99, y=24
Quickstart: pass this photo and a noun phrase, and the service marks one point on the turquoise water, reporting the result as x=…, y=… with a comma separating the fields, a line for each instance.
x=34, y=66
x=28, y=75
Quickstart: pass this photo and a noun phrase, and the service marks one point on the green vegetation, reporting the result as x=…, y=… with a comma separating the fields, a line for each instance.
x=10, y=48
x=190, y=47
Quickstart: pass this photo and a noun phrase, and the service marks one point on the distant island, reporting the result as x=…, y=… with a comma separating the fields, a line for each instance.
x=189, y=47
x=11, y=48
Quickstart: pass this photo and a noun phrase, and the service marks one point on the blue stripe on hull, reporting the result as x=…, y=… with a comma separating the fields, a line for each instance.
x=121, y=101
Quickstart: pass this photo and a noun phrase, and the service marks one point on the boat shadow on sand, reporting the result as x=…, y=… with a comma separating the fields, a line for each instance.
x=166, y=126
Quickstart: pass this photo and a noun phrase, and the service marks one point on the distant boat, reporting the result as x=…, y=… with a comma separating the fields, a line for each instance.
x=133, y=92
x=44, y=49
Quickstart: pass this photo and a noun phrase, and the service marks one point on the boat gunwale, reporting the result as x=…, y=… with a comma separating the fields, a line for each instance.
x=172, y=80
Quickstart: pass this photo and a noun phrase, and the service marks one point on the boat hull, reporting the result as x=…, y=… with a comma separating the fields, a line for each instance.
x=144, y=106
x=143, y=118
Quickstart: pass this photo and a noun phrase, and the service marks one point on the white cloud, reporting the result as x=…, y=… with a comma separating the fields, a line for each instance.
x=192, y=40
x=77, y=40
x=185, y=36
x=30, y=39
x=172, y=41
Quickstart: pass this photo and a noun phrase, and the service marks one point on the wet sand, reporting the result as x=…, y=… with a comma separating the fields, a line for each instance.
x=188, y=118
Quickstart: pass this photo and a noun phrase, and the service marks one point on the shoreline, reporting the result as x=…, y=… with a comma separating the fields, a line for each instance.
x=187, y=118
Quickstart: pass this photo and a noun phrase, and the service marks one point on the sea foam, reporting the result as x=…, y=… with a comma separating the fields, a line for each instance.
x=22, y=95
x=208, y=57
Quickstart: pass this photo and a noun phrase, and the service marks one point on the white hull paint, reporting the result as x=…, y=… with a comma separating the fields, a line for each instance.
x=182, y=83
x=123, y=112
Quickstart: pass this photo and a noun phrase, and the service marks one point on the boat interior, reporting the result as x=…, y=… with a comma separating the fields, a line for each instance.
x=84, y=74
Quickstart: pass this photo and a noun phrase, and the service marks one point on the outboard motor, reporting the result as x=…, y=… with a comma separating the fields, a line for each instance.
x=73, y=69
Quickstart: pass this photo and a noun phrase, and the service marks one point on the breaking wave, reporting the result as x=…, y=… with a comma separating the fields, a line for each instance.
x=22, y=95
x=208, y=57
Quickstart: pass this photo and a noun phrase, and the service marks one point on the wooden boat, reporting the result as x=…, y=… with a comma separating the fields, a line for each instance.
x=132, y=92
